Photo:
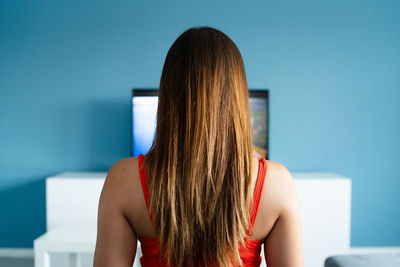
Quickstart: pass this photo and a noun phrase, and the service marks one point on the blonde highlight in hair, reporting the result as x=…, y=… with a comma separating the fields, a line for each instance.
x=200, y=164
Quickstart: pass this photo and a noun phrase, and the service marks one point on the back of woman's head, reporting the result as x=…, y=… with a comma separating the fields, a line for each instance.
x=199, y=165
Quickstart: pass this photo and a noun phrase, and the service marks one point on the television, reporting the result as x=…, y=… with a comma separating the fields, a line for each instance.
x=144, y=113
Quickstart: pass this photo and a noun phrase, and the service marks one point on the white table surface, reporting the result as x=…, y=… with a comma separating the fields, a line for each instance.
x=74, y=238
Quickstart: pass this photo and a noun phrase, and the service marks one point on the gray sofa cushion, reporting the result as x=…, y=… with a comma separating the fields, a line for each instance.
x=363, y=260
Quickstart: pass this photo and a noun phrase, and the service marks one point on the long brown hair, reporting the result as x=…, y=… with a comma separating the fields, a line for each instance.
x=200, y=162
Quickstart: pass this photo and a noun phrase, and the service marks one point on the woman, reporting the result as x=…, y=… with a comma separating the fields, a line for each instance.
x=201, y=196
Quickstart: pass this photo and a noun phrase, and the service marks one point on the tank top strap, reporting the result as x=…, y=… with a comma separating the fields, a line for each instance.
x=143, y=180
x=262, y=169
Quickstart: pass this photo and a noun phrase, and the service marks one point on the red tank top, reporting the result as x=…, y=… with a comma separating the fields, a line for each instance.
x=250, y=256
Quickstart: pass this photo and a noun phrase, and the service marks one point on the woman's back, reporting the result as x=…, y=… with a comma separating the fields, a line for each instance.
x=144, y=226
x=249, y=253
x=278, y=222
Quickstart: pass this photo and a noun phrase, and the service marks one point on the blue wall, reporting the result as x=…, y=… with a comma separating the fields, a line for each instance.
x=333, y=68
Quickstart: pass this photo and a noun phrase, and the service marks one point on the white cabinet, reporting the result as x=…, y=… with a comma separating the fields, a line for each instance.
x=72, y=201
x=326, y=211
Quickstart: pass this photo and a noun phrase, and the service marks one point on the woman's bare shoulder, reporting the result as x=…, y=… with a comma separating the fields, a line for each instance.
x=277, y=194
x=279, y=184
x=278, y=173
x=122, y=173
x=123, y=182
x=283, y=243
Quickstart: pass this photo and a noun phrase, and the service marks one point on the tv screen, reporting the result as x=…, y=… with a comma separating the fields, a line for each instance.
x=144, y=113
